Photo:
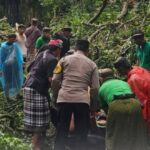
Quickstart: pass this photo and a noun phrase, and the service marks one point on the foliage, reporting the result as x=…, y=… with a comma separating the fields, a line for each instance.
x=5, y=28
x=11, y=115
x=8, y=142
x=113, y=39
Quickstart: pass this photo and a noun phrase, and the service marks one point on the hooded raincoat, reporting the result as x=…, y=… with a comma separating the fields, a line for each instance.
x=11, y=71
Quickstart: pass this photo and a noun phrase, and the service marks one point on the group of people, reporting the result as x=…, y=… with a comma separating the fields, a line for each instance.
x=127, y=102
x=21, y=48
x=78, y=88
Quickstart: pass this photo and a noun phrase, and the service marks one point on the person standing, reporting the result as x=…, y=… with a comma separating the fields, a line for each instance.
x=32, y=33
x=11, y=67
x=21, y=40
x=64, y=35
x=142, y=49
x=44, y=39
x=76, y=73
x=35, y=93
x=125, y=128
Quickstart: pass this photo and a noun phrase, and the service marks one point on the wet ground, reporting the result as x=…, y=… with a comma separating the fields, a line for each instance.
x=96, y=141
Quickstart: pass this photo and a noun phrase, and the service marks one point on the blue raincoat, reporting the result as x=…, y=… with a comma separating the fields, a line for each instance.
x=11, y=70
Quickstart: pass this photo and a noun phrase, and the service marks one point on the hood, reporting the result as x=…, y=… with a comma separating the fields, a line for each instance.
x=137, y=70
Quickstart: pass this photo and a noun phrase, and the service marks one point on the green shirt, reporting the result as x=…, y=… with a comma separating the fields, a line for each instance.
x=40, y=42
x=143, y=55
x=110, y=88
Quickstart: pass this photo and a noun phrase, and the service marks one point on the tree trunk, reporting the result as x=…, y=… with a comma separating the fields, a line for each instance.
x=11, y=10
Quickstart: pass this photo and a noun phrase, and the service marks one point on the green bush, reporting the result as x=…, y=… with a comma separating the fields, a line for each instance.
x=7, y=142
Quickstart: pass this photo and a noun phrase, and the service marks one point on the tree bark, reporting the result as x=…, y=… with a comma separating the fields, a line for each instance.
x=12, y=11
x=124, y=10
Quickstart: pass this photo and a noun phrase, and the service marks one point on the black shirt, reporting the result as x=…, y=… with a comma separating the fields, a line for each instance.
x=66, y=43
x=42, y=68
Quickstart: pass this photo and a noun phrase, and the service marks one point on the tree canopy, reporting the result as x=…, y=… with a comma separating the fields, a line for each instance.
x=107, y=24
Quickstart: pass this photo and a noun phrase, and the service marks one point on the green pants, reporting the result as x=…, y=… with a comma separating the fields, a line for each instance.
x=126, y=128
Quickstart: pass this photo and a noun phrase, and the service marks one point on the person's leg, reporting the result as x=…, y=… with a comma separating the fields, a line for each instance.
x=36, y=116
x=32, y=54
x=72, y=126
x=43, y=141
x=39, y=141
x=54, y=116
x=7, y=83
x=6, y=89
x=28, y=55
x=36, y=141
x=82, y=123
x=64, y=117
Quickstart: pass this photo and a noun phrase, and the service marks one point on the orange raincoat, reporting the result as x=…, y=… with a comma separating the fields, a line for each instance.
x=139, y=81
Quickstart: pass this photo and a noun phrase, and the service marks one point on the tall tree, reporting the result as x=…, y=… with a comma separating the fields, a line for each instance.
x=11, y=10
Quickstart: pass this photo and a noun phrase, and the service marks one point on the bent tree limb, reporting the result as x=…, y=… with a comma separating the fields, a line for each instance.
x=99, y=12
x=145, y=18
x=124, y=10
x=109, y=25
x=127, y=22
x=95, y=34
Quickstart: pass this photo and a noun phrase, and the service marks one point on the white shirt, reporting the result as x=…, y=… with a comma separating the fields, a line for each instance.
x=21, y=39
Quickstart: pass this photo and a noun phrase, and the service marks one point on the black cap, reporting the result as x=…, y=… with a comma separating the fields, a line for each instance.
x=122, y=62
x=137, y=33
x=67, y=29
x=11, y=35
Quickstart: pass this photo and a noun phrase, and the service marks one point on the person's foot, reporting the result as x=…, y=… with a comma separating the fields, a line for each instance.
x=36, y=142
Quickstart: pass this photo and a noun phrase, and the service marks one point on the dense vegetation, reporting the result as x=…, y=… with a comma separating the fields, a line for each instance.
x=107, y=24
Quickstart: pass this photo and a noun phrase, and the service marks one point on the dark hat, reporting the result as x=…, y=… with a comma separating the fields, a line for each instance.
x=137, y=33
x=66, y=28
x=122, y=62
x=11, y=35
x=105, y=72
x=46, y=29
